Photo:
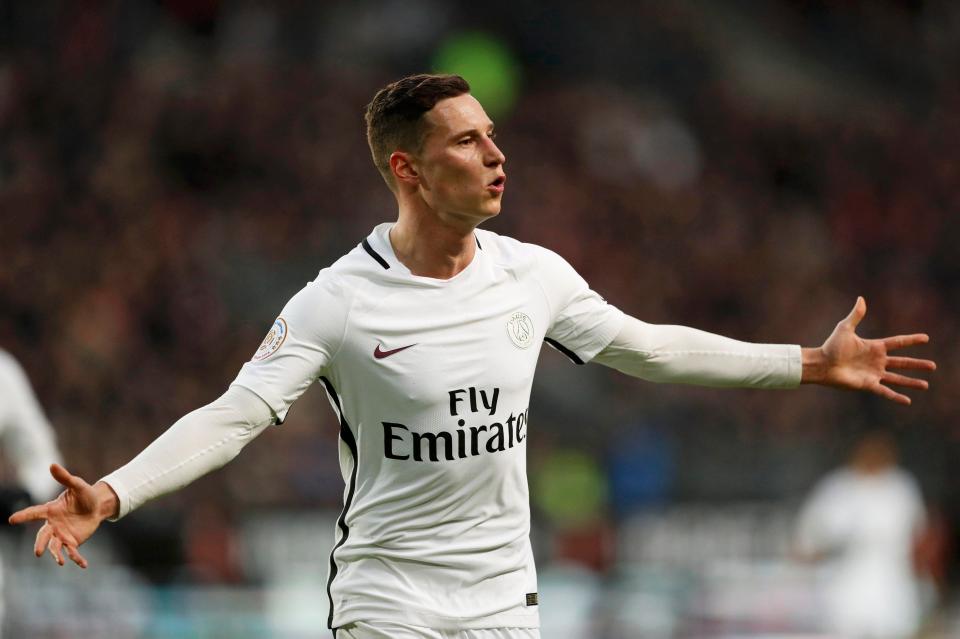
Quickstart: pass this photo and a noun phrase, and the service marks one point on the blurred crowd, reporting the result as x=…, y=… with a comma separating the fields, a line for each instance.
x=171, y=172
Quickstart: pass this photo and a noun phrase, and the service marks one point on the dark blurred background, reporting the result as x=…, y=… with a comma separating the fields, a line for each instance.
x=171, y=172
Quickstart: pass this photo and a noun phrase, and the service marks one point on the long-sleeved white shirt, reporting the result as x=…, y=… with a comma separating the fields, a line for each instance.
x=431, y=381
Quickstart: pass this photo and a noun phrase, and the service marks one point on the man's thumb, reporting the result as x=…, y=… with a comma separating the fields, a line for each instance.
x=65, y=478
x=859, y=310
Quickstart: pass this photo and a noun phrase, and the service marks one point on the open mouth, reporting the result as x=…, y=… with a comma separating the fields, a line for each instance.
x=497, y=185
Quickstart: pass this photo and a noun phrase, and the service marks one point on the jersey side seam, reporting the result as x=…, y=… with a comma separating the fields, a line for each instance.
x=573, y=357
x=346, y=434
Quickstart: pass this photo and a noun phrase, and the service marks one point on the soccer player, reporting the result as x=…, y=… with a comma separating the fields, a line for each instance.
x=27, y=437
x=865, y=520
x=425, y=338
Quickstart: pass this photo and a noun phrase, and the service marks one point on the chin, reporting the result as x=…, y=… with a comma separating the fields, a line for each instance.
x=493, y=208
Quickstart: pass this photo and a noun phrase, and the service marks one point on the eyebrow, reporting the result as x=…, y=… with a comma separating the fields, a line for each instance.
x=474, y=131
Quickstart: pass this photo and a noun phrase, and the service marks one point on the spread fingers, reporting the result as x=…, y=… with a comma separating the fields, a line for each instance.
x=903, y=380
x=911, y=363
x=55, y=547
x=43, y=538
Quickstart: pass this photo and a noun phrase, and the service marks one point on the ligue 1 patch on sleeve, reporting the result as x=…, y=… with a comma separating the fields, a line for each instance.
x=273, y=341
x=532, y=599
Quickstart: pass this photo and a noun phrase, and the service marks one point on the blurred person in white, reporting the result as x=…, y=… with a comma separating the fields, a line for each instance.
x=865, y=520
x=426, y=337
x=29, y=444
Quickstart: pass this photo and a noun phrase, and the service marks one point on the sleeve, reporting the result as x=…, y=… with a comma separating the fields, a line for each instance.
x=678, y=354
x=29, y=439
x=582, y=323
x=302, y=341
x=197, y=443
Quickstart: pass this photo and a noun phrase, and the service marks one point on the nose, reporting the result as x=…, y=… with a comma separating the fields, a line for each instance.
x=493, y=156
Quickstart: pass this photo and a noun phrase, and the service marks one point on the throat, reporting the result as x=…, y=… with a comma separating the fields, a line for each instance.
x=439, y=256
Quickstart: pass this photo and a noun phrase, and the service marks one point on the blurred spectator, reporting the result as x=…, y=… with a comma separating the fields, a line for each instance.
x=29, y=445
x=866, y=519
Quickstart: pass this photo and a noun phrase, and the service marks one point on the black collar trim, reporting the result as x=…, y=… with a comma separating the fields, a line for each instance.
x=374, y=254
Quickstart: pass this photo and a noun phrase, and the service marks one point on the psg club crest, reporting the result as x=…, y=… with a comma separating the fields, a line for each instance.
x=273, y=340
x=520, y=329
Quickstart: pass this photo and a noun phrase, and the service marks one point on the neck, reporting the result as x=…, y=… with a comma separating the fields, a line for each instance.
x=431, y=246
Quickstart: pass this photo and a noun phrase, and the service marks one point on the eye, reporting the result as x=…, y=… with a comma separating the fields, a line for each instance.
x=492, y=135
x=465, y=141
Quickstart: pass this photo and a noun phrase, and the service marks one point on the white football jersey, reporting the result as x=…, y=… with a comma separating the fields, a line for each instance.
x=868, y=524
x=431, y=381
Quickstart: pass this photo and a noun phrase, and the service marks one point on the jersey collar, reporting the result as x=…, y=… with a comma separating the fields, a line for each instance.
x=380, y=249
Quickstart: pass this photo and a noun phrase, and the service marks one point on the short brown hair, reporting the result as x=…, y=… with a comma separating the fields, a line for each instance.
x=395, y=115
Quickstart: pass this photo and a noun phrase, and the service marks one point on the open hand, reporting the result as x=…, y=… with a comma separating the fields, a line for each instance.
x=848, y=361
x=71, y=518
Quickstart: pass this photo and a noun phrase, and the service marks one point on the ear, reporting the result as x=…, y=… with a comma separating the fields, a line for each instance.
x=403, y=168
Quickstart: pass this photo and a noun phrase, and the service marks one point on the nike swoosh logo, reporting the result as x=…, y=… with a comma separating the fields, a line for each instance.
x=379, y=354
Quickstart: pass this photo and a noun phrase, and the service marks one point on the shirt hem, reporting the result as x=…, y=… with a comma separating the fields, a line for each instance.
x=613, y=327
x=438, y=622
x=123, y=495
x=275, y=404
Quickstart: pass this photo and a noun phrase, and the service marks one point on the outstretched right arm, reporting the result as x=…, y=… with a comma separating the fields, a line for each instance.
x=198, y=443
x=302, y=342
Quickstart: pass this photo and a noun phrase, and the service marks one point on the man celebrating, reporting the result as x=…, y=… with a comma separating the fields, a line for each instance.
x=426, y=337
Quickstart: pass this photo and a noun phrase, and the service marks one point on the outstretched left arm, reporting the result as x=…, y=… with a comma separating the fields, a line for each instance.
x=846, y=360
x=683, y=355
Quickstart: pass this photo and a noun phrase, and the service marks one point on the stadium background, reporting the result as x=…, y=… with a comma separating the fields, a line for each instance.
x=172, y=171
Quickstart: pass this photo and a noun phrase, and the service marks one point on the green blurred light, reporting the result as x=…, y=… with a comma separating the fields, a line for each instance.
x=570, y=488
x=487, y=64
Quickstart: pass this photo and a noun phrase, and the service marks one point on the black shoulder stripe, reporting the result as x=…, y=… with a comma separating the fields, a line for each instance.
x=347, y=436
x=563, y=349
x=374, y=254
x=478, y=241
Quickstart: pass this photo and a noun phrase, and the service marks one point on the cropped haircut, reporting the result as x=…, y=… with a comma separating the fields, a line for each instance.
x=395, y=115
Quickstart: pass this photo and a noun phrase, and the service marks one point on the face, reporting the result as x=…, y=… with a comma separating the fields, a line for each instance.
x=459, y=168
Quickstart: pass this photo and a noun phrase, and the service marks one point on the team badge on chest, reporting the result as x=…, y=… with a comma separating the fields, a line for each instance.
x=520, y=329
